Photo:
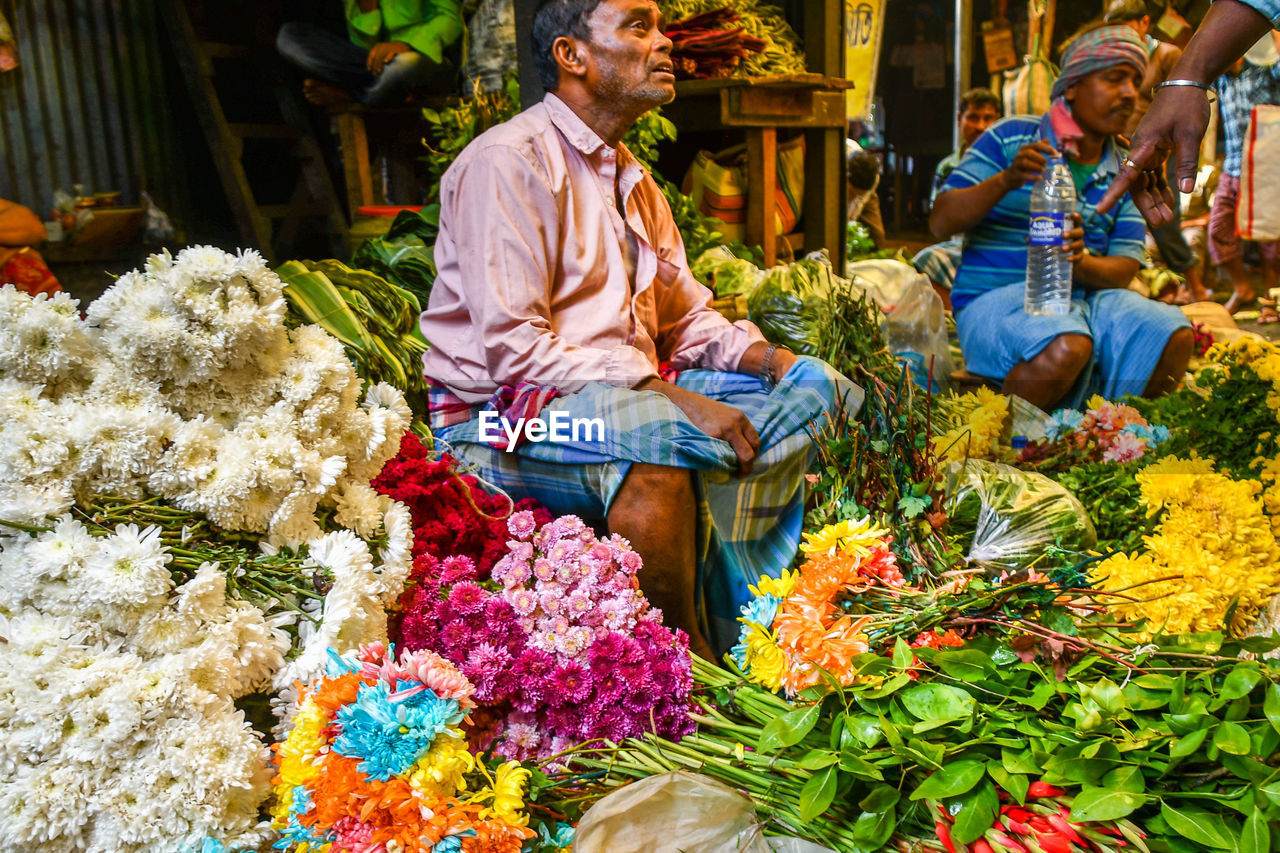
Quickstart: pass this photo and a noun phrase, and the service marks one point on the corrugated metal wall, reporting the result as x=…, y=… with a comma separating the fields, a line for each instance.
x=88, y=103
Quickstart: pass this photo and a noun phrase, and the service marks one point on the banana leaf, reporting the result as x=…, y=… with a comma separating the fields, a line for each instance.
x=316, y=299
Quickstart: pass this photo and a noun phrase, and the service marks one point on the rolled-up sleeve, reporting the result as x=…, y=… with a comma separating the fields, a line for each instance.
x=506, y=266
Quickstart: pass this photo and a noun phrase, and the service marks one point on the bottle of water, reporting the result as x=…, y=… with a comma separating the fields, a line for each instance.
x=1053, y=200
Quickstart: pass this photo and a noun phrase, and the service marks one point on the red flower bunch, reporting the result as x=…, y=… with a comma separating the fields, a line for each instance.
x=452, y=516
x=929, y=640
x=1042, y=825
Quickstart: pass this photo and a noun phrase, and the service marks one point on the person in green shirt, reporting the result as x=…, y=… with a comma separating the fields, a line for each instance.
x=393, y=48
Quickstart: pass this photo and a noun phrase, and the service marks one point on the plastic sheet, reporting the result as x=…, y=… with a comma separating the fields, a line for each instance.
x=917, y=320
x=679, y=813
x=1013, y=514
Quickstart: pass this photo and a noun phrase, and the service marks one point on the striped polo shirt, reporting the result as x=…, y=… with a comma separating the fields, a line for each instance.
x=995, y=250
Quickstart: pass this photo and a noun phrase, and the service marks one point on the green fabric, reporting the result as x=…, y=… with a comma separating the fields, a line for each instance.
x=1081, y=173
x=427, y=26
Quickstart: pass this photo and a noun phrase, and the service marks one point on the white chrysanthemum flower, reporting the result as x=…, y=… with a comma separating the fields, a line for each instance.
x=61, y=551
x=204, y=264
x=129, y=567
x=294, y=523
x=32, y=503
x=360, y=508
x=397, y=554
x=42, y=338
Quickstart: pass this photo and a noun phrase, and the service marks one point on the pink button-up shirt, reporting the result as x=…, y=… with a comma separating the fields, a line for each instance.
x=534, y=261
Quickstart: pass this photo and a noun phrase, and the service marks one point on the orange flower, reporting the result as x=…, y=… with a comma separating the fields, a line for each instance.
x=496, y=837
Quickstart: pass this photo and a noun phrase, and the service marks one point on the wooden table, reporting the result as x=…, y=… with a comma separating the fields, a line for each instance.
x=761, y=105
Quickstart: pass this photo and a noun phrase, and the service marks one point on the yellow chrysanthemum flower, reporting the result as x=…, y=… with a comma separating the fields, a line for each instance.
x=856, y=537
x=1214, y=545
x=441, y=771
x=777, y=587
x=766, y=663
x=978, y=419
x=505, y=795
x=303, y=745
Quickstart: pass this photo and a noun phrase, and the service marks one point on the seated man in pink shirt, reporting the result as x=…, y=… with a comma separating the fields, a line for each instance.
x=564, y=293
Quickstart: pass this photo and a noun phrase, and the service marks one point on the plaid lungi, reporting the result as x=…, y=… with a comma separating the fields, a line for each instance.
x=747, y=526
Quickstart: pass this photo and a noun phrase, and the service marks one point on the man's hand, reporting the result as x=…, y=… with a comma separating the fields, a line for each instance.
x=1028, y=165
x=1075, y=239
x=382, y=53
x=1176, y=121
x=715, y=419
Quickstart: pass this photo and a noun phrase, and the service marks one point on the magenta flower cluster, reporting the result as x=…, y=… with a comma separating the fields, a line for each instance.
x=561, y=644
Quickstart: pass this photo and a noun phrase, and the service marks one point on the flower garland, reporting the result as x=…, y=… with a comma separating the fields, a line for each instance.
x=1214, y=549
x=978, y=419
x=377, y=760
x=560, y=643
x=451, y=514
x=795, y=630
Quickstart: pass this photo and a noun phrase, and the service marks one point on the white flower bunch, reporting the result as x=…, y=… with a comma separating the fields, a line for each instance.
x=117, y=728
x=184, y=383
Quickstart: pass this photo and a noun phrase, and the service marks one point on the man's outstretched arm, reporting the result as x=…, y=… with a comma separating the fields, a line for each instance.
x=1179, y=115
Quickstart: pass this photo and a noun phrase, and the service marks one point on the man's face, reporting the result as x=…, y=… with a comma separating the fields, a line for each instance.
x=974, y=120
x=629, y=58
x=1103, y=101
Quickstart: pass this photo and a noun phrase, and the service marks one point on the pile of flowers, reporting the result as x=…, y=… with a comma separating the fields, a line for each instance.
x=185, y=518
x=1214, y=549
x=183, y=382
x=796, y=628
x=451, y=514
x=117, y=725
x=377, y=760
x=1041, y=822
x=1106, y=432
x=977, y=419
x=560, y=643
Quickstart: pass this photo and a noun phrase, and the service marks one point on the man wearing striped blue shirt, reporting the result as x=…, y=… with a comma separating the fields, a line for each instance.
x=1113, y=341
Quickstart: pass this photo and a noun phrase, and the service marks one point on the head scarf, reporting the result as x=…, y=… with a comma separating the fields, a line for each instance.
x=1096, y=50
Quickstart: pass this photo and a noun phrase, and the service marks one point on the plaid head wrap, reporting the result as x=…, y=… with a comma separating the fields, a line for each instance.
x=1104, y=47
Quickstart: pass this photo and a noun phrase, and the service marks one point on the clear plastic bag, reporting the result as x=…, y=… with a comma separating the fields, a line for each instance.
x=1007, y=516
x=678, y=813
x=917, y=319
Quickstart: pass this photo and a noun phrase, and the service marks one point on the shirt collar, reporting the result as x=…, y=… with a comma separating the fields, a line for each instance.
x=1110, y=162
x=586, y=140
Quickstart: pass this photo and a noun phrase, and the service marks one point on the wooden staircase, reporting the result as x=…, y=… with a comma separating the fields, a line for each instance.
x=273, y=226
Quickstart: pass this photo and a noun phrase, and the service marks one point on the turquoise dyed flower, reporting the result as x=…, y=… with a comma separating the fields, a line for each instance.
x=390, y=735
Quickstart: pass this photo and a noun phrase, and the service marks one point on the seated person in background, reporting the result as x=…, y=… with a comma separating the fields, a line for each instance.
x=20, y=265
x=1113, y=341
x=564, y=293
x=863, y=175
x=979, y=109
x=1161, y=58
x=393, y=48
x=1239, y=90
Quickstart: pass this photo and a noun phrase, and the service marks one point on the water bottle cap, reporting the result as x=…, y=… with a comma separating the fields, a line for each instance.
x=1018, y=442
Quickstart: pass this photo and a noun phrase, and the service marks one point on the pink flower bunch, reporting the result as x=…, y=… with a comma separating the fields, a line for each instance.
x=560, y=643
x=1108, y=431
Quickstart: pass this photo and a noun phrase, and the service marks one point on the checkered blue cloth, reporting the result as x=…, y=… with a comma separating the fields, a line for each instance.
x=747, y=526
x=1269, y=8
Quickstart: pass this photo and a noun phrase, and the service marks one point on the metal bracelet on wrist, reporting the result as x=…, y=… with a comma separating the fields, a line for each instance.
x=766, y=367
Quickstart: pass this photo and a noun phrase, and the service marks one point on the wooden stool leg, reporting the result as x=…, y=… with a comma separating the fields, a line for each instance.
x=762, y=191
x=356, y=168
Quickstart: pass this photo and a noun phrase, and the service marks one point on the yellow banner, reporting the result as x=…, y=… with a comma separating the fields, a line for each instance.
x=863, y=28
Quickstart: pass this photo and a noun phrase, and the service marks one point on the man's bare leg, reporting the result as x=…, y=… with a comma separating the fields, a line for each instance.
x=1046, y=378
x=1172, y=364
x=655, y=509
x=1243, y=293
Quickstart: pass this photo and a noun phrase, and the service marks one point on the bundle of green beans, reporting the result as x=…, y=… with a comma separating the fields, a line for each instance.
x=781, y=54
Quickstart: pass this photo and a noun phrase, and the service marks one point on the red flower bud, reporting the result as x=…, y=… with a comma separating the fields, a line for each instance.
x=944, y=835
x=1043, y=789
x=981, y=846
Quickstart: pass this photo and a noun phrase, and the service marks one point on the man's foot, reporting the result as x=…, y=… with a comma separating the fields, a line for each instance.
x=1268, y=315
x=324, y=94
x=1243, y=298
